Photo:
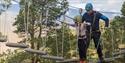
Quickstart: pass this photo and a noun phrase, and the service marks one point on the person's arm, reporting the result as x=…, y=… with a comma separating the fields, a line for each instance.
x=75, y=22
x=105, y=19
x=73, y=25
x=83, y=18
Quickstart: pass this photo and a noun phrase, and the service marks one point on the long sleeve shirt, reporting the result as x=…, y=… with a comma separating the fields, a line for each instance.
x=95, y=22
x=80, y=27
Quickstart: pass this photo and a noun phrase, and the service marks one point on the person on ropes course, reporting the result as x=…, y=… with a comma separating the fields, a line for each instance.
x=92, y=32
x=81, y=33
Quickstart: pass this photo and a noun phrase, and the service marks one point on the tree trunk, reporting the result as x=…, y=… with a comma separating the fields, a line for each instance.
x=38, y=43
x=31, y=31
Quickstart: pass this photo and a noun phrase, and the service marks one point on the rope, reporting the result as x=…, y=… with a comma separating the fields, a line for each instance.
x=57, y=49
x=112, y=32
x=102, y=43
x=6, y=30
x=90, y=33
x=76, y=41
x=70, y=42
x=63, y=36
x=27, y=21
x=40, y=19
x=0, y=23
x=46, y=26
x=121, y=38
x=1, y=33
x=25, y=25
x=103, y=46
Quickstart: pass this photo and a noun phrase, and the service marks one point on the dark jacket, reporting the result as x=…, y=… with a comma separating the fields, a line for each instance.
x=95, y=24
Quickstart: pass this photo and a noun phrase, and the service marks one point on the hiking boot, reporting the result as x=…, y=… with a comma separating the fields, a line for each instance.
x=101, y=61
x=83, y=61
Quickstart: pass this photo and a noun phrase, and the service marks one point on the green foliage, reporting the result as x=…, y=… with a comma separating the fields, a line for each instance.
x=64, y=38
x=37, y=13
x=4, y=5
x=20, y=57
x=123, y=9
x=114, y=36
x=32, y=19
x=14, y=57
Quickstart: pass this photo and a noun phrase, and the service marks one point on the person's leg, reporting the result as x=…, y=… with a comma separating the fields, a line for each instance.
x=96, y=38
x=88, y=34
x=84, y=46
x=82, y=49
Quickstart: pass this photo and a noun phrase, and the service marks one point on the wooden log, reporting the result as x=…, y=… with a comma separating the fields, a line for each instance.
x=3, y=38
x=77, y=60
x=120, y=52
x=43, y=54
x=18, y=45
x=52, y=57
x=73, y=61
x=69, y=61
x=35, y=51
x=112, y=59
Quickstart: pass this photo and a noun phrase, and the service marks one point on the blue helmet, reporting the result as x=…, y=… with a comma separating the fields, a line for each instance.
x=88, y=7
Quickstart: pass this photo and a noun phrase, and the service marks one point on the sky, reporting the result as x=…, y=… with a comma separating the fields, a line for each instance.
x=100, y=5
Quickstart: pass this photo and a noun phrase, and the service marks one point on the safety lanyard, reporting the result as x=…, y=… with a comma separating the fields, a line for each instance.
x=94, y=18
